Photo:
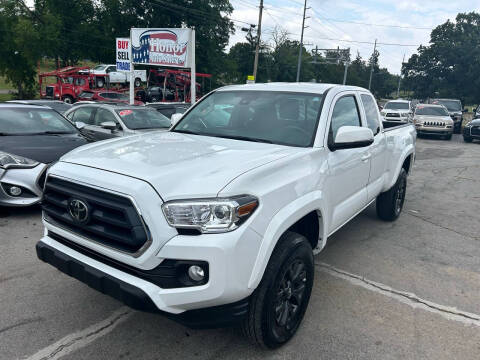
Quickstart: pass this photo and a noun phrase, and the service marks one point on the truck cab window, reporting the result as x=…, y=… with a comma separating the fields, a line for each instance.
x=345, y=113
x=371, y=113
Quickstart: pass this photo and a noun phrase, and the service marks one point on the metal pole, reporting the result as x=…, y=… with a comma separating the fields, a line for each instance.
x=132, y=75
x=400, y=77
x=193, y=72
x=345, y=73
x=257, y=46
x=299, y=65
x=371, y=66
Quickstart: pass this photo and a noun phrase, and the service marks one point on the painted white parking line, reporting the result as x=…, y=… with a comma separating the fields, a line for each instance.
x=83, y=337
x=404, y=297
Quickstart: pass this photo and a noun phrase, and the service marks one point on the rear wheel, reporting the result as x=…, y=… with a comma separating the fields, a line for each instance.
x=279, y=303
x=68, y=99
x=390, y=203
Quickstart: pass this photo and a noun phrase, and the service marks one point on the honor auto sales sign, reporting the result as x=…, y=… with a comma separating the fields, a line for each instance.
x=165, y=47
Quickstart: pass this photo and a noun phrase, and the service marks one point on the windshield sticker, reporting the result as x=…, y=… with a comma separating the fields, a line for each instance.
x=125, y=112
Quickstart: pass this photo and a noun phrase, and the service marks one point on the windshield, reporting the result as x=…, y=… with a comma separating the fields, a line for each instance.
x=86, y=95
x=262, y=116
x=28, y=121
x=451, y=105
x=431, y=110
x=397, y=106
x=99, y=67
x=61, y=107
x=137, y=119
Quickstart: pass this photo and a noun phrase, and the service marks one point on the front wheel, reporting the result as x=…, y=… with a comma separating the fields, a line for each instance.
x=390, y=203
x=467, y=139
x=448, y=137
x=279, y=303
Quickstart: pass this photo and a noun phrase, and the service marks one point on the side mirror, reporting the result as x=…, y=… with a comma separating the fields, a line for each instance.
x=350, y=137
x=79, y=125
x=110, y=125
x=175, y=118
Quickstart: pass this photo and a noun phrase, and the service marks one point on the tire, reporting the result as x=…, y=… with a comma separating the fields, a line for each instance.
x=68, y=99
x=100, y=82
x=467, y=139
x=390, y=203
x=285, y=289
x=137, y=82
x=448, y=137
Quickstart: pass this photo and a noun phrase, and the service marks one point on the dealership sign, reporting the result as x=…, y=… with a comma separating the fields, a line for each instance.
x=164, y=47
x=123, y=54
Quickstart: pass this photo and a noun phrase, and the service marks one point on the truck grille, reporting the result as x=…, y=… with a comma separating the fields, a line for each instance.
x=110, y=219
x=434, y=123
x=475, y=130
x=393, y=115
x=49, y=91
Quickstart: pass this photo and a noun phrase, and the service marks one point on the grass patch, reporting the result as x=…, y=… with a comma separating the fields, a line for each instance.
x=5, y=97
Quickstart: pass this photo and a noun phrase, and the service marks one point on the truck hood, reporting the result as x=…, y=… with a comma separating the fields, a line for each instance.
x=178, y=165
x=395, y=111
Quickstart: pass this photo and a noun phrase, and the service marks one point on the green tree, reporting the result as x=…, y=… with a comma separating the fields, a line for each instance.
x=450, y=65
x=19, y=47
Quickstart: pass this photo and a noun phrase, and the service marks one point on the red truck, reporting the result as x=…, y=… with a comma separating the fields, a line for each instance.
x=69, y=83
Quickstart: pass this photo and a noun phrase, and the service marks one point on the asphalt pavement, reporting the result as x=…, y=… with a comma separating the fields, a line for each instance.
x=403, y=290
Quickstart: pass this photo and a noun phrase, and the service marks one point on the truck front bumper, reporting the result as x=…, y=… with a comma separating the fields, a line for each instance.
x=230, y=257
x=137, y=297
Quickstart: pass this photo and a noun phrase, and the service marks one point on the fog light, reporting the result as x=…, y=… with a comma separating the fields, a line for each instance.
x=196, y=273
x=15, y=190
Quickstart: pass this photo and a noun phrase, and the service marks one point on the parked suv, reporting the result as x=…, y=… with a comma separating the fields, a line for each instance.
x=397, y=111
x=215, y=222
x=455, y=110
x=433, y=120
x=104, y=121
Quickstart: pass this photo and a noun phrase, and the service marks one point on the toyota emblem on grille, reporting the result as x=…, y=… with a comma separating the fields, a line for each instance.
x=78, y=210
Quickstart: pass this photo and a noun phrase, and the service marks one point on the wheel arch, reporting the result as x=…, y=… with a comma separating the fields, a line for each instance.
x=296, y=216
x=406, y=162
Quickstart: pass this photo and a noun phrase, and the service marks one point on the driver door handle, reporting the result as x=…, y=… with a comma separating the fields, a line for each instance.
x=366, y=157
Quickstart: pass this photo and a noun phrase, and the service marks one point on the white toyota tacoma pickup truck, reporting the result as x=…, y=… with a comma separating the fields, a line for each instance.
x=216, y=221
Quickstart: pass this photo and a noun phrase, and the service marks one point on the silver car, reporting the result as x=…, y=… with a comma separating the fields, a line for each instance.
x=106, y=121
x=31, y=138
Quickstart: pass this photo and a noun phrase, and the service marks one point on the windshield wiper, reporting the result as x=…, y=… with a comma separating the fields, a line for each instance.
x=188, y=132
x=245, y=138
x=233, y=137
x=151, y=127
x=51, y=133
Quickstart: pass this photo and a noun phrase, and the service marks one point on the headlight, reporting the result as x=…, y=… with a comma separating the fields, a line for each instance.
x=210, y=215
x=405, y=114
x=469, y=124
x=14, y=161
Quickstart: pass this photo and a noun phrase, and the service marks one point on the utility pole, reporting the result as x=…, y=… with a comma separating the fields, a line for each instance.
x=400, y=77
x=371, y=66
x=347, y=63
x=299, y=65
x=257, y=47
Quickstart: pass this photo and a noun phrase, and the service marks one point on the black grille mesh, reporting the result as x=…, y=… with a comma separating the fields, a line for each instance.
x=113, y=221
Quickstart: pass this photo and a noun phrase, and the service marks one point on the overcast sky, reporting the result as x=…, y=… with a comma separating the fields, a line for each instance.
x=338, y=19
